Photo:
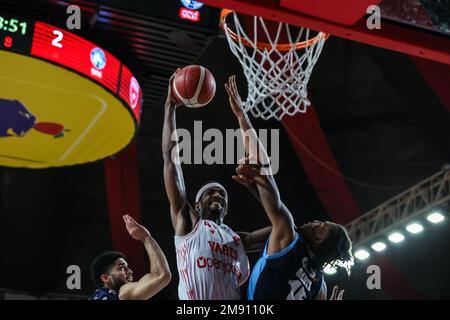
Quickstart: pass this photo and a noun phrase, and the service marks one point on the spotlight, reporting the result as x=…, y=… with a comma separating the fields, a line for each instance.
x=435, y=217
x=329, y=270
x=362, y=254
x=396, y=237
x=378, y=246
x=414, y=228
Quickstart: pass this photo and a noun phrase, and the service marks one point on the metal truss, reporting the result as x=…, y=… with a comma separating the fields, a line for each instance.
x=432, y=193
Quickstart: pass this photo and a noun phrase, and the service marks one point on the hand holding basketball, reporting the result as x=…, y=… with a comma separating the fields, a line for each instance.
x=236, y=102
x=171, y=99
x=194, y=86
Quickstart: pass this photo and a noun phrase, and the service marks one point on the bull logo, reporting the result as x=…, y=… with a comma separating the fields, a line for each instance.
x=17, y=121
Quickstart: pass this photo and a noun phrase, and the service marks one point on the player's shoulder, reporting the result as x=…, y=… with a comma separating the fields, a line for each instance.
x=227, y=229
x=212, y=226
x=232, y=234
x=223, y=229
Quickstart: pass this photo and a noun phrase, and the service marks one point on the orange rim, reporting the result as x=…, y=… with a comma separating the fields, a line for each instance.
x=264, y=45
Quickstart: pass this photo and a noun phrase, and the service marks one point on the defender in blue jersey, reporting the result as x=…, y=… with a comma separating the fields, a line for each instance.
x=291, y=265
x=113, y=277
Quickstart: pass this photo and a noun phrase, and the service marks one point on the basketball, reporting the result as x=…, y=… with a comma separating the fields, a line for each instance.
x=194, y=86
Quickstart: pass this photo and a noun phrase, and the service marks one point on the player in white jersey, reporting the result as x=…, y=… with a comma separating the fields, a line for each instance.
x=211, y=259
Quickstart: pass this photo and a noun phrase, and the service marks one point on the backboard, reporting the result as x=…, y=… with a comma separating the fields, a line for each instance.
x=414, y=27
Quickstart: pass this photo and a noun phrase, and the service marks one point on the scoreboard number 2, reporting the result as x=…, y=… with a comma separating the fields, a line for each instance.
x=59, y=36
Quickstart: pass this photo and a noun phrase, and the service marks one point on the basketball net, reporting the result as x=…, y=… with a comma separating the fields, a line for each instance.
x=277, y=74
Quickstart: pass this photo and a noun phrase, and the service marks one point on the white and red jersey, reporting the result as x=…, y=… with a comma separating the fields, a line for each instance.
x=211, y=262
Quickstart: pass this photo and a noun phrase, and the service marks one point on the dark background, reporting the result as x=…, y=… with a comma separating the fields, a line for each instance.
x=366, y=99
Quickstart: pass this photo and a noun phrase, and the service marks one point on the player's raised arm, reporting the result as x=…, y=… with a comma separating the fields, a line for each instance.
x=254, y=150
x=173, y=174
x=159, y=275
x=280, y=217
x=254, y=241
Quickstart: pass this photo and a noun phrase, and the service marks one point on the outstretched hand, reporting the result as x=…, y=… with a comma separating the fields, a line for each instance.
x=244, y=180
x=236, y=103
x=337, y=294
x=135, y=230
x=170, y=97
x=248, y=174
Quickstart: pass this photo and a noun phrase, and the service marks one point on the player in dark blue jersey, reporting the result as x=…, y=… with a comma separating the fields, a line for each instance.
x=114, y=279
x=292, y=262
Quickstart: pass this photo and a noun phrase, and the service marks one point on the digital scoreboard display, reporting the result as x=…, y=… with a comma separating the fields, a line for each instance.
x=16, y=34
x=64, y=48
x=73, y=52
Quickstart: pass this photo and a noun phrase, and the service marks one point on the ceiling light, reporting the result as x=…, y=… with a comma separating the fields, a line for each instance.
x=378, y=246
x=362, y=254
x=396, y=237
x=435, y=217
x=329, y=269
x=414, y=228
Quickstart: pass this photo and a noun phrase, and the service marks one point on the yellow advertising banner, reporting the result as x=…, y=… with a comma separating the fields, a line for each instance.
x=51, y=117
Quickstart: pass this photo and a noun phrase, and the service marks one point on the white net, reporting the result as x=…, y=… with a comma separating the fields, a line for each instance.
x=277, y=75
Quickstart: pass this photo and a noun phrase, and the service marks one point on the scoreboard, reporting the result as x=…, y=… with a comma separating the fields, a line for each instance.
x=59, y=46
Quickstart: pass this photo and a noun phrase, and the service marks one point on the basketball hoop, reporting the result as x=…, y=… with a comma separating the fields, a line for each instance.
x=277, y=73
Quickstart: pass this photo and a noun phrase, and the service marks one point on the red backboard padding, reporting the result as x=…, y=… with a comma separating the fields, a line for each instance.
x=346, y=12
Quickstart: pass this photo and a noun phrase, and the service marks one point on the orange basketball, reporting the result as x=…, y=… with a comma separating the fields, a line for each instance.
x=194, y=86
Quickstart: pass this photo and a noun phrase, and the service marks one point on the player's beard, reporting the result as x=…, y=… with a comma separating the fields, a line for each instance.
x=213, y=210
x=116, y=282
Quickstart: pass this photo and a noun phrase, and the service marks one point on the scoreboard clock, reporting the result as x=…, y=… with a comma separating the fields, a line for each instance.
x=15, y=33
x=13, y=25
x=63, y=99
